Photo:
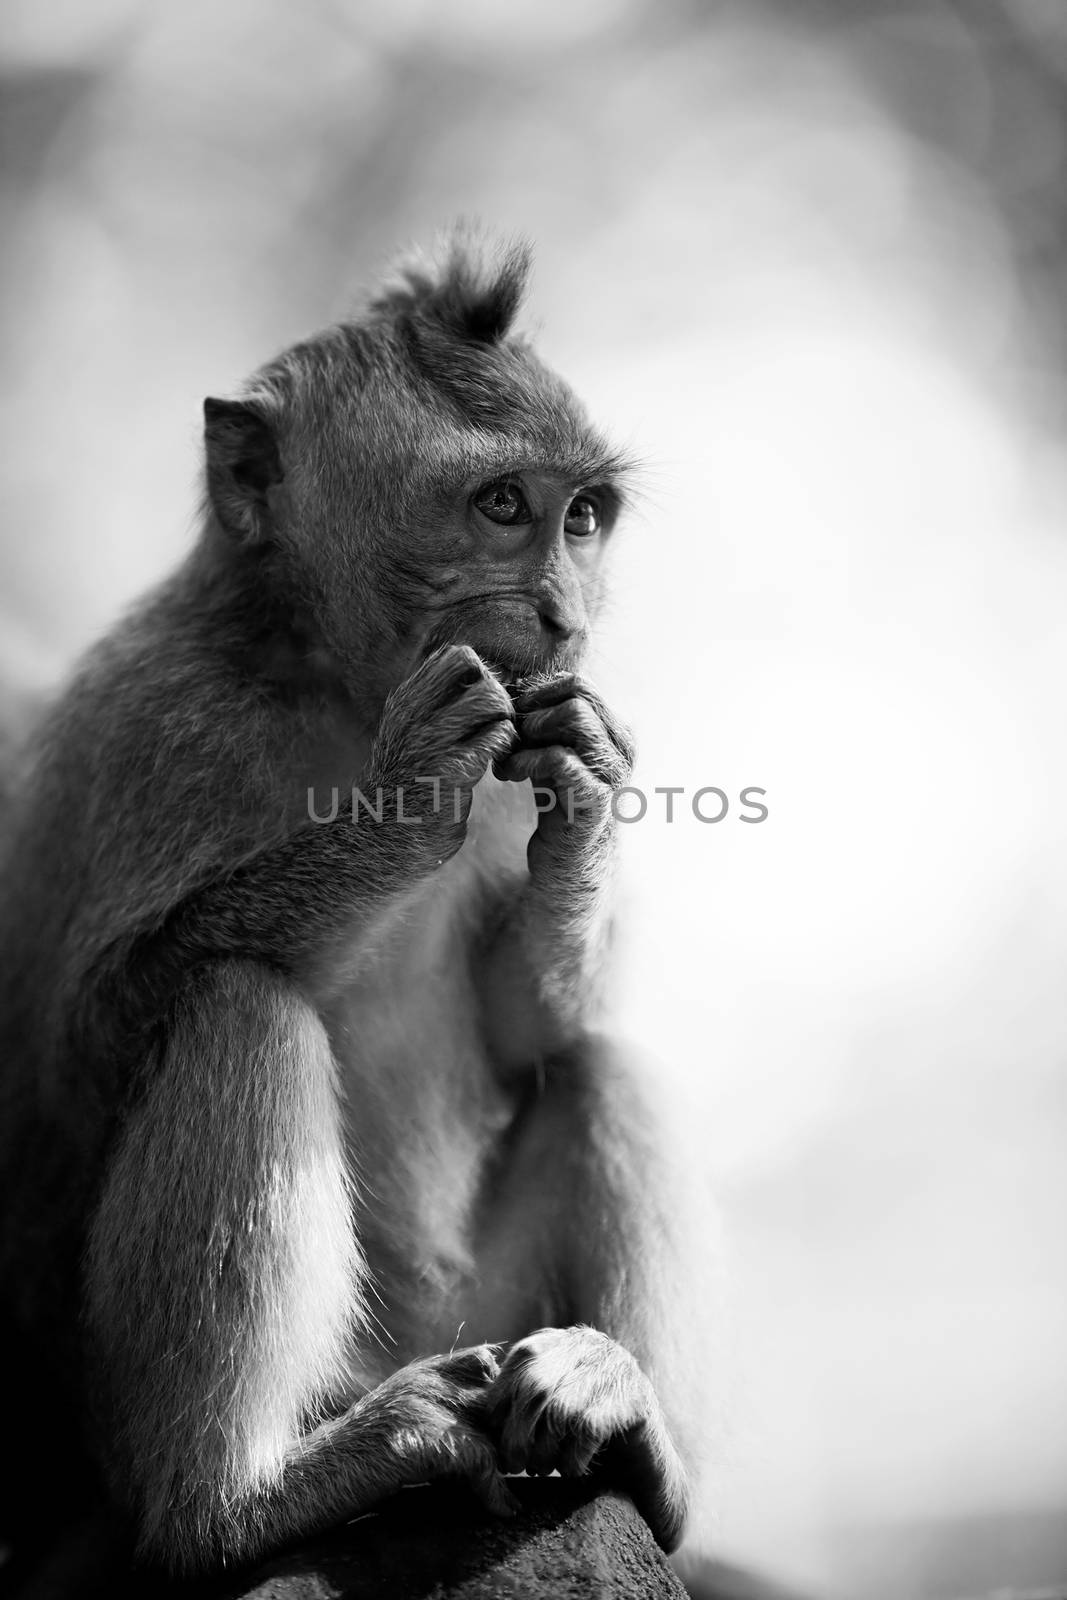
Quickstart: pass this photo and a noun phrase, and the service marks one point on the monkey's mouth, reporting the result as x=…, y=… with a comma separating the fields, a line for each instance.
x=519, y=676
x=514, y=679
x=512, y=641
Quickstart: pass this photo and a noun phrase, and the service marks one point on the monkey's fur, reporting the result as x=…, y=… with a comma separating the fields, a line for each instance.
x=287, y=1104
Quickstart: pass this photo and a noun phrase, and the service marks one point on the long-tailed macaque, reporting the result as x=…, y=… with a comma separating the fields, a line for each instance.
x=301, y=1087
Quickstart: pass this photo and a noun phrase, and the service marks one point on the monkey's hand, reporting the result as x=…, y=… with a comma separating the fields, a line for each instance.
x=572, y=1400
x=425, y=1421
x=438, y=732
x=541, y=976
x=575, y=752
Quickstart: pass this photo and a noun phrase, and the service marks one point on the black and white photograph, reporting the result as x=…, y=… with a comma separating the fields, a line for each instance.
x=533, y=799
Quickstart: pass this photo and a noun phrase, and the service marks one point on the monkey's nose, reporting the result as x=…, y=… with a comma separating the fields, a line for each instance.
x=559, y=623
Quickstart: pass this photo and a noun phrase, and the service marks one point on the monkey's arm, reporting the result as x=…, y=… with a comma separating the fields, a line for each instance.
x=224, y=1282
x=543, y=971
x=603, y=1182
x=302, y=906
x=225, y=1288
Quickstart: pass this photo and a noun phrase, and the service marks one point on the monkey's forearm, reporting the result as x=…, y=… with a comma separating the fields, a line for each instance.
x=542, y=980
x=543, y=976
x=226, y=1294
x=299, y=906
x=399, y=1433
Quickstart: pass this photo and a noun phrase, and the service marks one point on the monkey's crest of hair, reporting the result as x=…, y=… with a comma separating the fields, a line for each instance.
x=469, y=289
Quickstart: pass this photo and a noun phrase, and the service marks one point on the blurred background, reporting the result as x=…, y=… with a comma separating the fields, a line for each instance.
x=806, y=258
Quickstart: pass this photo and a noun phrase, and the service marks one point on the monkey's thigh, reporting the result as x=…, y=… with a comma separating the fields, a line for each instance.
x=586, y=1219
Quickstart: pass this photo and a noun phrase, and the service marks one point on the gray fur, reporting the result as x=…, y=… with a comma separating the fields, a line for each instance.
x=272, y=1089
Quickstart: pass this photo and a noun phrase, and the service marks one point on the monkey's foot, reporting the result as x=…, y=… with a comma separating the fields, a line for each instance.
x=571, y=1400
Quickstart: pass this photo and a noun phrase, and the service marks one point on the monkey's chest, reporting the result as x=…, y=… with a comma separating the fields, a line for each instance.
x=424, y=1110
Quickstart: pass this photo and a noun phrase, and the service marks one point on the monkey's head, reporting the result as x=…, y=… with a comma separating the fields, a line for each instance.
x=418, y=477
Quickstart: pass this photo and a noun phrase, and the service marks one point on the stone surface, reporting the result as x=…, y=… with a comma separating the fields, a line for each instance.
x=569, y=1542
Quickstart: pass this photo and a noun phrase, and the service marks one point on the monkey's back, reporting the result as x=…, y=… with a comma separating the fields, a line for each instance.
x=154, y=772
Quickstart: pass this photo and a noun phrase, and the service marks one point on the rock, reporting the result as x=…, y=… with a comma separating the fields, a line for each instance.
x=570, y=1541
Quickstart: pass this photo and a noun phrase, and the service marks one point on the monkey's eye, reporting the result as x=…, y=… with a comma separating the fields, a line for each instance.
x=583, y=517
x=504, y=502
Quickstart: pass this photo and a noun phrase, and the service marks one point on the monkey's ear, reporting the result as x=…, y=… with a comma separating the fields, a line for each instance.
x=243, y=465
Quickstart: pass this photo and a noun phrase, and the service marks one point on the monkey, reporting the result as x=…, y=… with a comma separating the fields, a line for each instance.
x=305, y=922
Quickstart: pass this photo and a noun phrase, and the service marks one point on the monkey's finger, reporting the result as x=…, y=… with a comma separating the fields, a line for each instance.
x=513, y=1454
x=495, y=1495
x=575, y=722
x=478, y=1363
x=569, y=686
x=493, y=741
x=548, y=691
x=451, y=668
x=557, y=768
x=552, y=1428
x=502, y=766
x=552, y=691
x=517, y=1435
x=576, y=1453
x=461, y=768
x=445, y=703
x=484, y=700
x=477, y=724
x=478, y=1465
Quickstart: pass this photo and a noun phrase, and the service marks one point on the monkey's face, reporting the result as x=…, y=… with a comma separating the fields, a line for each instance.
x=515, y=568
x=476, y=509
x=423, y=480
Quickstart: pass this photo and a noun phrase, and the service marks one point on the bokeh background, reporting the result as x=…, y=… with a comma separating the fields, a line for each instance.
x=807, y=259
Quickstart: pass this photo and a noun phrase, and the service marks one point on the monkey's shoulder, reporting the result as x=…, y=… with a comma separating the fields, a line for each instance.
x=159, y=767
